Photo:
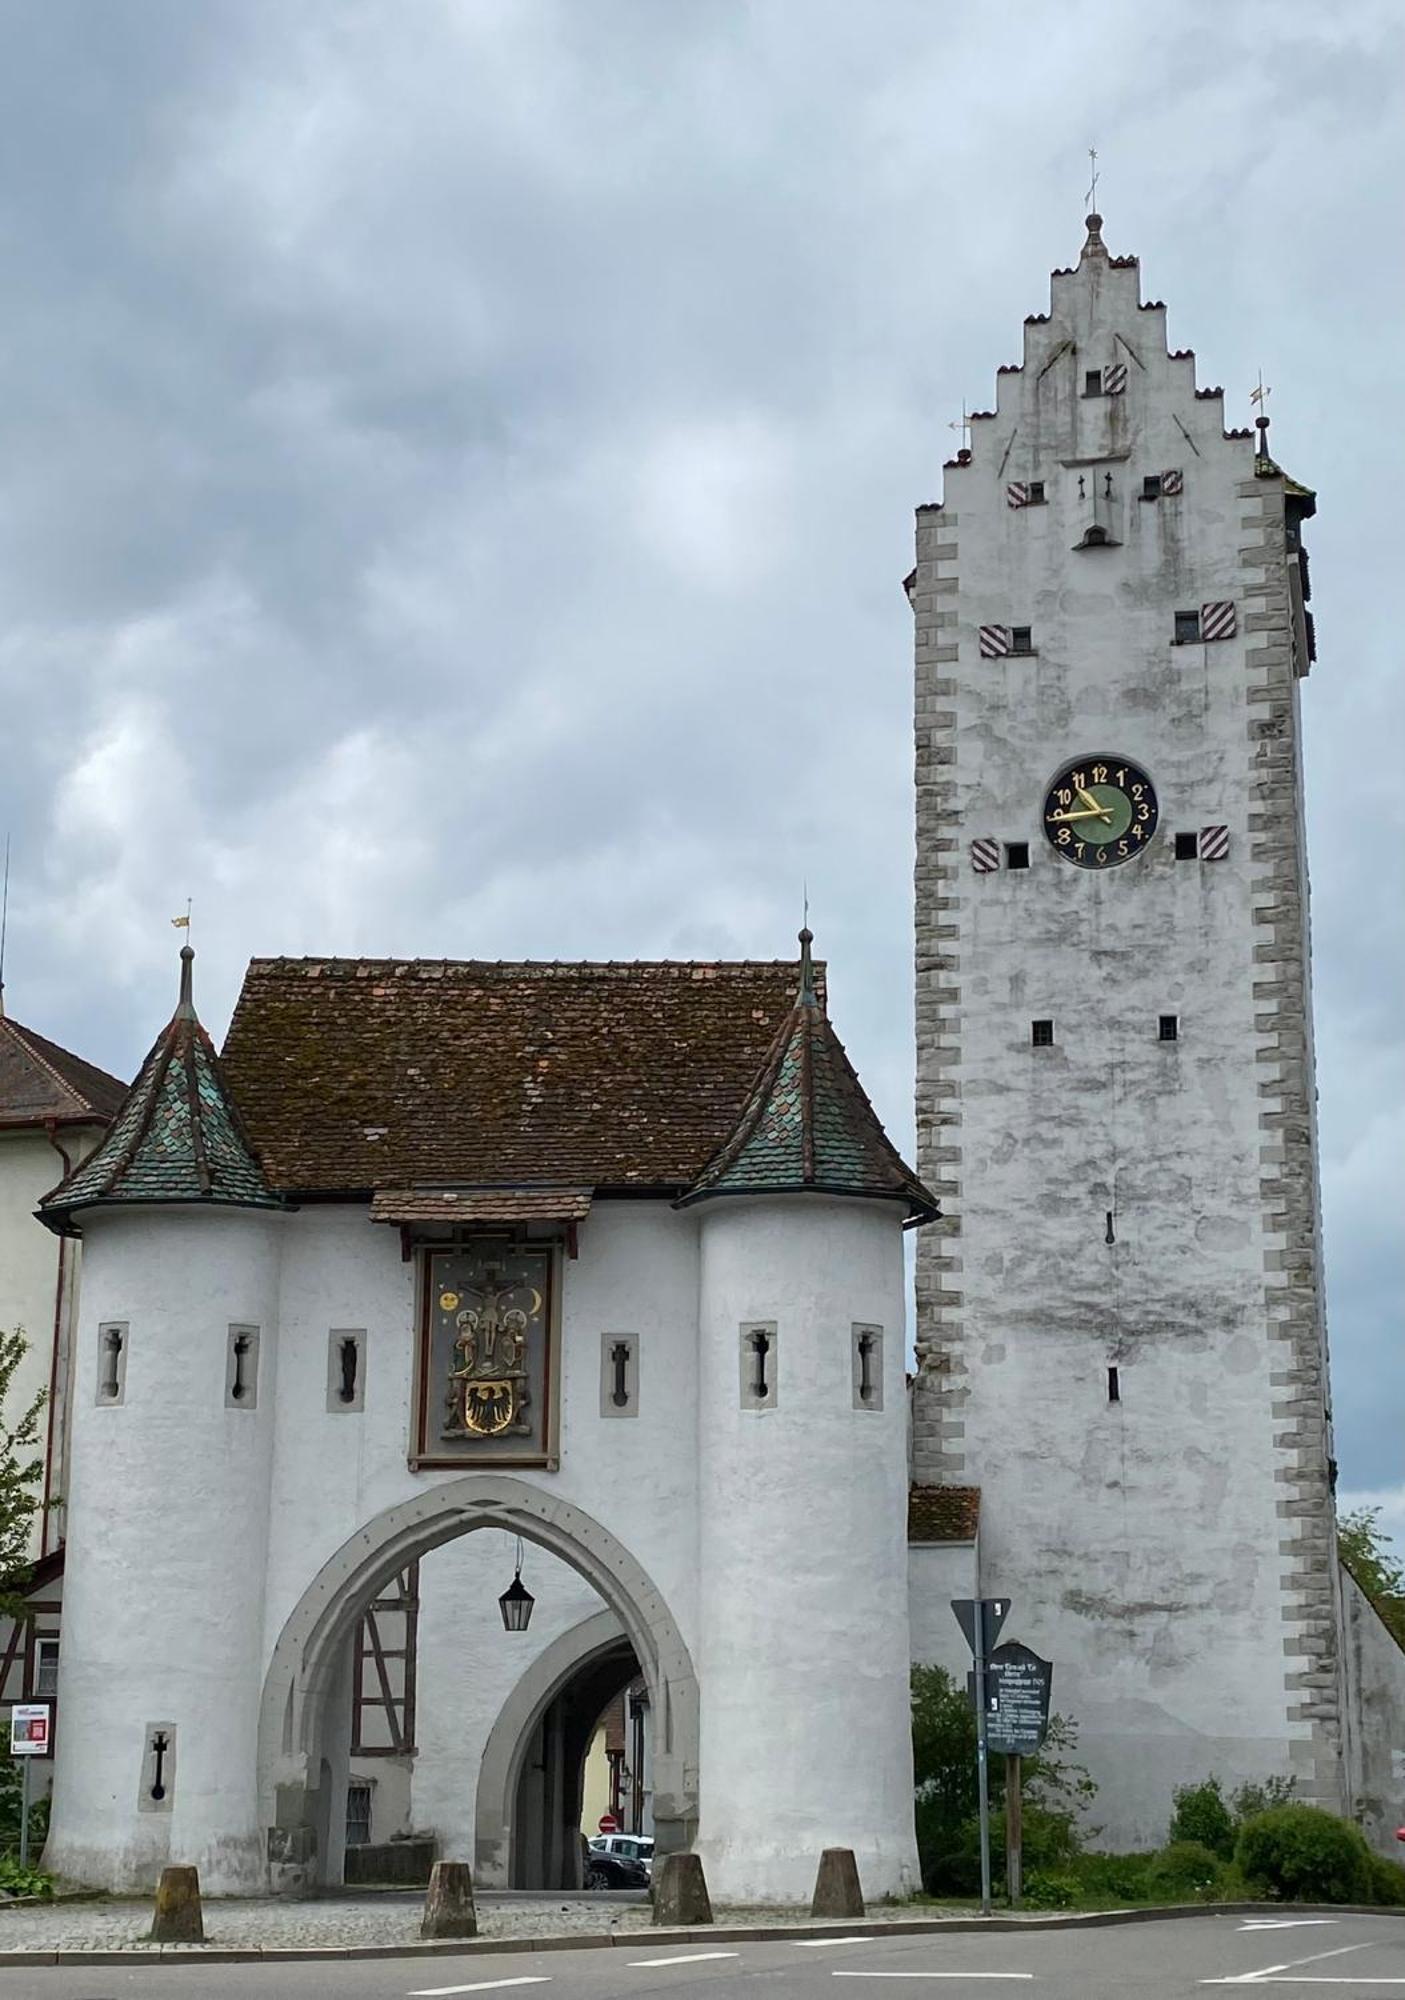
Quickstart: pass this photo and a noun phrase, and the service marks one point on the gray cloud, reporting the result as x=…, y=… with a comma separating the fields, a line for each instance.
x=457, y=465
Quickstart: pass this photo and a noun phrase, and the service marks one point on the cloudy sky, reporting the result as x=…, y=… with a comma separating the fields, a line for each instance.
x=457, y=461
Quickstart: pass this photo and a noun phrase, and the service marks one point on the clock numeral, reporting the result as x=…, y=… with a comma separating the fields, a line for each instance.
x=1143, y=812
x=1122, y=778
x=1079, y=849
x=1137, y=790
x=1064, y=836
x=1064, y=796
x=1102, y=856
x=1080, y=779
x=1123, y=849
x=1137, y=833
x=1100, y=774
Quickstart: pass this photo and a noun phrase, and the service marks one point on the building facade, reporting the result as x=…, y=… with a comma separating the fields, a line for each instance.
x=1120, y=1331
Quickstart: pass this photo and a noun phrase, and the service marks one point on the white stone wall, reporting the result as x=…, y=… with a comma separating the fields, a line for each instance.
x=1375, y=1678
x=804, y=1645
x=937, y=1573
x=1170, y=1551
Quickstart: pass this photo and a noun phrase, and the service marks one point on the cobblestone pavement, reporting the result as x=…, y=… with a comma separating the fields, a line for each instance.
x=276, y=1923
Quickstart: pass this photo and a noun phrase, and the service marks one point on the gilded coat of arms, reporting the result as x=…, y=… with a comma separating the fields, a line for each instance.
x=488, y=1393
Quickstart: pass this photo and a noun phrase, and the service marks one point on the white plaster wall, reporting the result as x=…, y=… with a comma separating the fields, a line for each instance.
x=1141, y=1541
x=804, y=1641
x=469, y=1665
x=937, y=1573
x=163, y=1597
x=1376, y=1687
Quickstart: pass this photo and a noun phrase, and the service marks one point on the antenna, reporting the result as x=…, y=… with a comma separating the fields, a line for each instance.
x=4, y=921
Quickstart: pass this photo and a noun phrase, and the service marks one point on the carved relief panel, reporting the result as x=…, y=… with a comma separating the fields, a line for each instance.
x=487, y=1352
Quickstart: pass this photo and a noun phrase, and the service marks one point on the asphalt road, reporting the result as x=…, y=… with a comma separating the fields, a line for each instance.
x=1334, y=1957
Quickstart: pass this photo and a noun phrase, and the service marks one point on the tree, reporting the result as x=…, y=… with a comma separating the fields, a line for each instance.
x=21, y=1473
x=1365, y=1549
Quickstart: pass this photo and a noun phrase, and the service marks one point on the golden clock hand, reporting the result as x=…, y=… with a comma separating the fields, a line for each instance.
x=1098, y=812
x=1103, y=812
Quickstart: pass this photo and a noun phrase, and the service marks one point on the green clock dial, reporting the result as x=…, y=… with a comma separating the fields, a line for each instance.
x=1100, y=811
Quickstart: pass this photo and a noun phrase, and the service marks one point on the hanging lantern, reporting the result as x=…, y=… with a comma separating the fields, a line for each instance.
x=516, y=1601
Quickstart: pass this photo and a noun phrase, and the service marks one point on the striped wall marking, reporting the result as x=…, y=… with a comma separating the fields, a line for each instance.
x=1017, y=494
x=985, y=856
x=1172, y=482
x=1214, y=843
x=996, y=641
x=1217, y=621
x=1115, y=379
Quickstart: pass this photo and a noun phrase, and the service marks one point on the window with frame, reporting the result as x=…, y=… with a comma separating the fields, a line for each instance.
x=358, y=1813
x=1187, y=847
x=1041, y=1034
x=1021, y=638
x=1034, y=495
x=1092, y=381
x=46, y=1669
x=1187, y=628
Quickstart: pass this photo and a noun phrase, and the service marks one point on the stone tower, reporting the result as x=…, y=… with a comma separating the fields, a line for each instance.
x=1120, y=1321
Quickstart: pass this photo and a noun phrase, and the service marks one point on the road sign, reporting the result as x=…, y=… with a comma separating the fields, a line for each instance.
x=995, y=1611
x=608, y=1823
x=29, y=1729
x=1018, y=1685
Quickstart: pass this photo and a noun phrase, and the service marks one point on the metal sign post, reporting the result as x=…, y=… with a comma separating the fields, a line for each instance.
x=980, y=1618
x=1014, y=1830
x=29, y=1738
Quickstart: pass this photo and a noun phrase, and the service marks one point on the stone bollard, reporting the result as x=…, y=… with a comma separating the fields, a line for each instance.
x=680, y=1891
x=177, y=1918
x=448, y=1903
x=837, y=1890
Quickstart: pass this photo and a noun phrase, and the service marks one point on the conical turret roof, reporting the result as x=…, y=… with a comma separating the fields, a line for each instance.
x=807, y=1125
x=176, y=1138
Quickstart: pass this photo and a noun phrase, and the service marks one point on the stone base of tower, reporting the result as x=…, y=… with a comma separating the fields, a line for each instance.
x=742, y=1871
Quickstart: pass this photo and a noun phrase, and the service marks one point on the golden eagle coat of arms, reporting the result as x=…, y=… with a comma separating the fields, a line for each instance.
x=488, y=1393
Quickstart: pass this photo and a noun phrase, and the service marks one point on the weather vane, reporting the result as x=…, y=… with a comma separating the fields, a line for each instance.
x=1261, y=394
x=963, y=425
x=1091, y=198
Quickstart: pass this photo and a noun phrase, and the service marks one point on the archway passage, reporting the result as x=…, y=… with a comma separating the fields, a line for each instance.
x=302, y=1718
x=546, y=1820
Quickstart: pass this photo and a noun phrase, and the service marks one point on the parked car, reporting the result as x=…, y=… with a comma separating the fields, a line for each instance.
x=635, y=1846
x=615, y=1871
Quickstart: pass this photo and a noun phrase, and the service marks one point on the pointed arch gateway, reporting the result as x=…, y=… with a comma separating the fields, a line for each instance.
x=295, y=1764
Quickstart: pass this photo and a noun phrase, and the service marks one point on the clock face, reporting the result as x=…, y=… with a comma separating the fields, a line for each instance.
x=1100, y=811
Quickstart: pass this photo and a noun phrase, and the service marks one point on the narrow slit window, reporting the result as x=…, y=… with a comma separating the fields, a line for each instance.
x=112, y=1362
x=1035, y=496
x=241, y=1378
x=1187, y=847
x=1092, y=381
x=759, y=1348
x=619, y=1375
x=1114, y=1386
x=1017, y=854
x=1187, y=628
x=1041, y=1034
x=1021, y=639
x=348, y=1367
x=346, y=1370
x=868, y=1367
x=1168, y=1027
x=46, y=1669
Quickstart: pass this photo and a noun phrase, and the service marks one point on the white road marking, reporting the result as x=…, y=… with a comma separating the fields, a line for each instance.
x=821, y=1944
x=483, y=1986
x=1285, y=1923
x=684, y=1958
x=1267, y=1972
x=931, y=1975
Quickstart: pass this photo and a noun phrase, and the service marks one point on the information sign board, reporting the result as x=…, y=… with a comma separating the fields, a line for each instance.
x=1018, y=1686
x=29, y=1729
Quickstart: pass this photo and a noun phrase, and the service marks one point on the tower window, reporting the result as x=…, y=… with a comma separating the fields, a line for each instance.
x=759, y=1352
x=1021, y=639
x=1017, y=854
x=1187, y=628
x=1114, y=1386
x=1034, y=493
x=1041, y=1034
x=1187, y=847
x=1151, y=486
x=1092, y=381
x=1168, y=1027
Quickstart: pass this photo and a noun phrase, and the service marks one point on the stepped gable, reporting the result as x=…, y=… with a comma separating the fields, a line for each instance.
x=176, y=1137
x=408, y=1079
x=43, y=1084
x=807, y=1125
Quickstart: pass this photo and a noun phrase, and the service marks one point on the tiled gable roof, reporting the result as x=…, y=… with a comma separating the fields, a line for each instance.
x=177, y=1137
x=807, y=1124
x=42, y=1083
x=355, y=1075
x=943, y=1513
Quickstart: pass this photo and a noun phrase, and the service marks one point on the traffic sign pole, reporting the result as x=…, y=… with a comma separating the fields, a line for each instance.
x=1014, y=1830
x=982, y=1757
x=24, y=1811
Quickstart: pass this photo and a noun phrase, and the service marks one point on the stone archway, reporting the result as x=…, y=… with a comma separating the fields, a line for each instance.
x=500, y=1771
x=300, y=1685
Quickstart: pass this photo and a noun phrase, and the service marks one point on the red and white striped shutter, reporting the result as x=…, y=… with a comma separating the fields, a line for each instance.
x=1017, y=494
x=1115, y=379
x=1217, y=621
x=996, y=641
x=985, y=856
x=1172, y=482
x=1214, y=843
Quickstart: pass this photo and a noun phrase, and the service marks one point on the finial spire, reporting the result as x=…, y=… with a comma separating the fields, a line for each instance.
x=808, y=996
x=185, y=1006
x=1260, y=395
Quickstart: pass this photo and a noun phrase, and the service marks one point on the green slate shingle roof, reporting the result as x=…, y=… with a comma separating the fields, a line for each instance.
x=177, y=1137
x=807, y=1125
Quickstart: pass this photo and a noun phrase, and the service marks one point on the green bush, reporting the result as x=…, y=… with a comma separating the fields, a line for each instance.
x=1202, y=1818
x=1114, y=1877
x=1303, y=1854
x=1184, y=1870
x=17, y=1881
x=1386, y=1881
x=1050, y=1892
x=1252, y=1799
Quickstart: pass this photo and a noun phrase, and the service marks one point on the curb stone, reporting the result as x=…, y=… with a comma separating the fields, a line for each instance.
x=215, y=1954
